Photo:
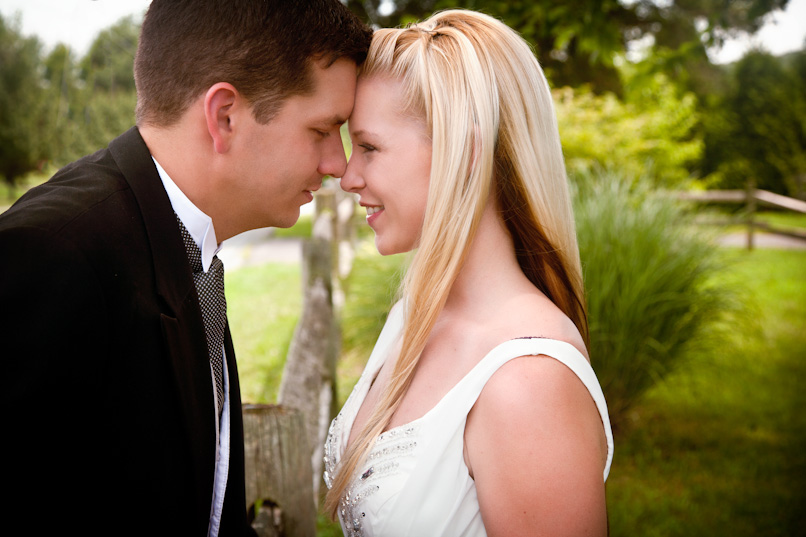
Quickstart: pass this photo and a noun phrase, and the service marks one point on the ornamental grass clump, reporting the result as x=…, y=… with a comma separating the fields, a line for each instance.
x=652, y=282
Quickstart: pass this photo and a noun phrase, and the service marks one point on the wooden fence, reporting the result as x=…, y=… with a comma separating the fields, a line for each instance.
x=284, y=443
x=751, y=198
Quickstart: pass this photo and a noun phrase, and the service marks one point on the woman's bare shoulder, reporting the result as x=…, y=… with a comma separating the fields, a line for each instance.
x=535, y=445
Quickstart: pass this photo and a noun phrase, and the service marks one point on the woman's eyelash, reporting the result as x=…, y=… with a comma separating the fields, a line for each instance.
x=367, y=147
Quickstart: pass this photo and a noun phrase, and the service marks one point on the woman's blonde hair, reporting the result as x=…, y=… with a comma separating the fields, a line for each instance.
x=489, y=110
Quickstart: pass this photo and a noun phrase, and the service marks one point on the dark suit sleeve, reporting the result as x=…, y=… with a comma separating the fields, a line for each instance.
x=53, y=338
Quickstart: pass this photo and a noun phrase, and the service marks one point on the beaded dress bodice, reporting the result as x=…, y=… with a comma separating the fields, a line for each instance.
x=415, y=481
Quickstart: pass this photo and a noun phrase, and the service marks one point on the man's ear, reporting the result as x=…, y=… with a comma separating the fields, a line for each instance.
x=218, y=108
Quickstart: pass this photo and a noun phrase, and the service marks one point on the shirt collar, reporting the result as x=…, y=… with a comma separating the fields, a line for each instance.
x=198, y=224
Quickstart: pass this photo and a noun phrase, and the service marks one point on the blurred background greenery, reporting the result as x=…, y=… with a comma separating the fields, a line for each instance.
x=700, y=349
x=635, y=88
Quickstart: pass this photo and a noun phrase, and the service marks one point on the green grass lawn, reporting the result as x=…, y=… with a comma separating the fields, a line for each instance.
x=719, y=448
x=263, y=305
x=783, y=219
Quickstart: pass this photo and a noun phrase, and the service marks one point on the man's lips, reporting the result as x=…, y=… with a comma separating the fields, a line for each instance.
x=309, y=192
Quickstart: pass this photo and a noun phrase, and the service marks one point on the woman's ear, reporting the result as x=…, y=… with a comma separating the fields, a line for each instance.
x=218, y=104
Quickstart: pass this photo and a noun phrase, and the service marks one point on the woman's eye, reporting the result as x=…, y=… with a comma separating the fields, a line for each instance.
x=367, y=147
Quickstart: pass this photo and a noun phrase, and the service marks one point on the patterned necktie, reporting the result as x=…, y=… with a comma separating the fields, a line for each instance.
x=210, y=288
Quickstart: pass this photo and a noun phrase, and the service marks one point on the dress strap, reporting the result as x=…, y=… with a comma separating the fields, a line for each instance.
x=469, y=388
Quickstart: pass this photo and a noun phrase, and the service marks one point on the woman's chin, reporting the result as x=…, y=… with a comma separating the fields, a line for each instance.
x=385, y=248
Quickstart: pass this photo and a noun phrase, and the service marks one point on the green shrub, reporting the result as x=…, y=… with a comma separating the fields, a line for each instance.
x=651, y=128
x=650, y=277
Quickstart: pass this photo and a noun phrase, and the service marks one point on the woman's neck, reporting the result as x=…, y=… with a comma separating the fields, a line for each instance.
x=491, y=272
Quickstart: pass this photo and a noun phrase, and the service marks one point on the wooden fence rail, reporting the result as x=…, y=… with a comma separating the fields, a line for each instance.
x=751, y=197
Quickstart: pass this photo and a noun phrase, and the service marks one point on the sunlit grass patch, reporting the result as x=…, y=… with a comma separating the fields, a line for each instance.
x=263, y=306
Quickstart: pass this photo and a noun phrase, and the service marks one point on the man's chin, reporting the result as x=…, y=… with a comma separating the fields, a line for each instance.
x=288, y=220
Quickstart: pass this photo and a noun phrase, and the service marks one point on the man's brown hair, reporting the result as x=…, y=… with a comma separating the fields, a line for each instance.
x=264, y=48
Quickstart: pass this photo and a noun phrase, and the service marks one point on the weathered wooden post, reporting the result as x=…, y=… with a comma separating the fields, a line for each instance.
x=751, y=210
x=278, y=471
x=309, y=376
x=335, y=210
x=284, y=443
x=345, y=237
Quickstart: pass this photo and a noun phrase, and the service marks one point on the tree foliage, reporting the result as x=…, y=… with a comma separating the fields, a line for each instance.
x=21, y=100
x=671, y=116
x=108, y=64
x=56, y=107
x=757, y=128
x=652, y=132
x=578, y=41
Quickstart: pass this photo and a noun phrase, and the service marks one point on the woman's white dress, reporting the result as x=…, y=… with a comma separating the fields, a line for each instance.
x=415, y=482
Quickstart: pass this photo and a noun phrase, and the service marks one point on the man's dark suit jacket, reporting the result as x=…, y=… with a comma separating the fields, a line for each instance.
x=107, y=385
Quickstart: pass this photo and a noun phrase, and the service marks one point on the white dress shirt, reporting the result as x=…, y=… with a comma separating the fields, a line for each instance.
x=200, y=227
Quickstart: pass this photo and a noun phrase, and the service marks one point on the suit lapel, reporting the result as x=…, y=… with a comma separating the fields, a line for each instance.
x=181, y=320
x=170, y=261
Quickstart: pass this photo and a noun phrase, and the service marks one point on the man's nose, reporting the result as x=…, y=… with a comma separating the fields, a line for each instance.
x=334, y=161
